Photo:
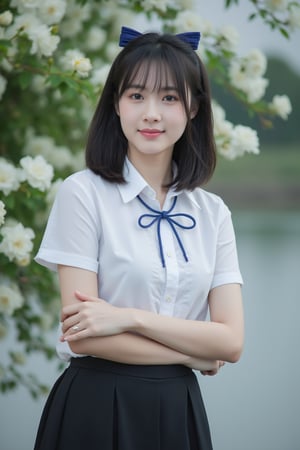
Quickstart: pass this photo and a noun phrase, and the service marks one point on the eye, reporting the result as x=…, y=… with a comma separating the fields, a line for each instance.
x=170, y=98
x=136, y=96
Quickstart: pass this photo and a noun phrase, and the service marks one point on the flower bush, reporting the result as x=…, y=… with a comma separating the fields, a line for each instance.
x=54, y=59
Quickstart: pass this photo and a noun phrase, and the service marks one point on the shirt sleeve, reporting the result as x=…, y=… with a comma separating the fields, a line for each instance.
x=72, y=233
x=227, y=265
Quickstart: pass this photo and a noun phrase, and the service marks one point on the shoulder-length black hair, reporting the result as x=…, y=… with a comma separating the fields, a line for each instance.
x=194, y=153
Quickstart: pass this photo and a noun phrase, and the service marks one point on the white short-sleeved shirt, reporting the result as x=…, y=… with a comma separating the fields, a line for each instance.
x=94, y=225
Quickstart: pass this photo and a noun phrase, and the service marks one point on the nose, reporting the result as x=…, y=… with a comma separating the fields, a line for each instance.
x=152, y=112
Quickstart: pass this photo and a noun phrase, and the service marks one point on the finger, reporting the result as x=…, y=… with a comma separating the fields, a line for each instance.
x=70, y=310
x=84, y=297
x=75, y=335
x=70, y=322
x=211, y=373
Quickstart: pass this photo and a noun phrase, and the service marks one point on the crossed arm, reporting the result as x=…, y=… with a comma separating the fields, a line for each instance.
x=136, y=336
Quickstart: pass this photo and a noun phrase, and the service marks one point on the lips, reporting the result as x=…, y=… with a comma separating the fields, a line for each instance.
x=150, y=132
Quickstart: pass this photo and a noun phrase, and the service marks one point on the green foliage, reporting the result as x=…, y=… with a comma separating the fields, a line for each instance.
x=47, y=97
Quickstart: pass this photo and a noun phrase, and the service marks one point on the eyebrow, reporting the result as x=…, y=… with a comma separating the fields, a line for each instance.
x=162, y=88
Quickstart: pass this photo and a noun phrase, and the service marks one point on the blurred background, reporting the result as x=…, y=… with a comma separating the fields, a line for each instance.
x=255, y=403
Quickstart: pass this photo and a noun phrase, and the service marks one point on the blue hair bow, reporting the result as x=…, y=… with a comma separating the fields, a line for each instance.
x=128, y=34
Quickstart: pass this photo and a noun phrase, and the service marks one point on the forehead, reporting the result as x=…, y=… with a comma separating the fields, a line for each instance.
x=154, y=75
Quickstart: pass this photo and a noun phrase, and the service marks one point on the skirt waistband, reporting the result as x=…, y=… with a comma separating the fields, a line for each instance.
x=134, y=370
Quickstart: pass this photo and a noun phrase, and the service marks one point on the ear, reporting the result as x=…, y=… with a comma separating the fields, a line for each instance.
x=193, y=112
x=116, y=105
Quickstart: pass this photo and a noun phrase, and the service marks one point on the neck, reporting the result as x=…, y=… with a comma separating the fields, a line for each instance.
x=157, y=171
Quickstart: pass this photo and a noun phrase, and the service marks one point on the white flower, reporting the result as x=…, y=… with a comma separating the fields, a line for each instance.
x=99, y=76
x=23, y=23
x=52, y=11
x=24, y=4
x=218, y=112
x=38, y=84
x=255, y=63
x=3, y=84
x=112, y=50
x=38, y=145
x=223, y=137
x=74, y=60
x=228, y=38
x=276, y=5
x=82, y=66
x=37, y=171
x=255, y=89
x=51, y=194
x=10, y=177
x=75, y=15
x=161, y=5
x=70, y=28
x=2, y=212
x=233, y=141
x=187, y=21
x=60, y=157
x=294, y=16
x=242, y=76
x=78, y=161
x=185, y=4
x=10, y=298
x=244, y=140
x=281, y=106
x=68, y=58
x=95, y=38
x=222, y=129
x=7, y=63
x=17, y=243
x=46, y=321
x=18, y=358
x=6, y=18
x=43, y=42
x=78, y=12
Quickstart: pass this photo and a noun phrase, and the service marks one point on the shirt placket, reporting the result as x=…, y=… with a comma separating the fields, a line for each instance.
x=171, y=270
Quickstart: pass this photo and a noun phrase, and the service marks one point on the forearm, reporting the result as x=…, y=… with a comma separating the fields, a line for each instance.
x=220, y=339
x=207, y=340
x=134, y=349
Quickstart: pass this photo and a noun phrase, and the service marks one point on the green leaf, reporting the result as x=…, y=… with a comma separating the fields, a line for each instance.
x=284, y=32
x=54, y=80
x=24, y=79
x=4, y=45
x=263, y=13
x=252, y=16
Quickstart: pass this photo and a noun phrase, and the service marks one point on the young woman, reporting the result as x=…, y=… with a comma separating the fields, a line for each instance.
x=142, y=253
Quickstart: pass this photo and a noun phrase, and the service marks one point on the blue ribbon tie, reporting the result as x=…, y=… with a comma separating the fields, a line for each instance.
x=190, y=37
x=157, y=217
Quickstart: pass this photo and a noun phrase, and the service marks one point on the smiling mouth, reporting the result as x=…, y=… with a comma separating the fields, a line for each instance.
x=150, y=133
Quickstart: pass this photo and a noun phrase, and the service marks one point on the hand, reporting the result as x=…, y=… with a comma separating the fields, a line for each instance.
x=203, y=365
x=213, y=371
x=92, y=317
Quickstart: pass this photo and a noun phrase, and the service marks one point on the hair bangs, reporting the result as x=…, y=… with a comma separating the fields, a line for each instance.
x=157, y=67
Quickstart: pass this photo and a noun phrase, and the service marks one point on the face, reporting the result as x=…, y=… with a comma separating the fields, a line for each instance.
x=152, y=119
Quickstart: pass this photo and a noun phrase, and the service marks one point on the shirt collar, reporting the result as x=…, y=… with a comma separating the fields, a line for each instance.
x=135, y=184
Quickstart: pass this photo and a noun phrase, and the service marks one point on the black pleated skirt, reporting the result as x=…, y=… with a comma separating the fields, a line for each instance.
x=103, y=405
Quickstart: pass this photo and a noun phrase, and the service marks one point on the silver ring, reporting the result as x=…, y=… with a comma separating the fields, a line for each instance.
x=75, y=328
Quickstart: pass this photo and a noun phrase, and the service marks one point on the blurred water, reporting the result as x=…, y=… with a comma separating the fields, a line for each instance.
x=252, y=405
